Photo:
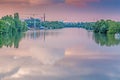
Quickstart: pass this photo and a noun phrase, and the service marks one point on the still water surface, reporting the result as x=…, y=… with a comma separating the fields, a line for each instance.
x=63, y=54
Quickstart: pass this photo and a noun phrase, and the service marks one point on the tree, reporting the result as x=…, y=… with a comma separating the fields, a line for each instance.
x=107, y=26
x=11, y=29
x=53, y=25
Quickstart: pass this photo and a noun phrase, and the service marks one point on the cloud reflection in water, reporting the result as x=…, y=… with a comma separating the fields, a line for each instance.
x=73, y=59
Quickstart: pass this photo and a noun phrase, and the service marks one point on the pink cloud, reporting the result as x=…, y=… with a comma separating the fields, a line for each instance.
x=44, y=2
x=33, y=2
x=81, y=3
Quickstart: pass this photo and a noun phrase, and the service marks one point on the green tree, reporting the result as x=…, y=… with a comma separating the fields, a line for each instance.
x=106, y=26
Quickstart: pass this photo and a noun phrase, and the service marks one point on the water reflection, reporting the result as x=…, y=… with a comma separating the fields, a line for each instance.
x=10, y=40
x=67, y=67
x=106, y=39
x=41, y=34
x=65, y=54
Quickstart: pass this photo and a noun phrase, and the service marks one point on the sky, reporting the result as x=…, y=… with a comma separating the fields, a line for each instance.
x=63, y=10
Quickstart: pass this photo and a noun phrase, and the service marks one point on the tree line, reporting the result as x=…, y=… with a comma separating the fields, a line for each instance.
x=38, y=24
x=10, y=24
x=103, y=26
x=107, y=26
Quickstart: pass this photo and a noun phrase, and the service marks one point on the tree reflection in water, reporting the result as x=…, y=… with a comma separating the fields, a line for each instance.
x=106, y=39
x=10, y=40
x=13, y=39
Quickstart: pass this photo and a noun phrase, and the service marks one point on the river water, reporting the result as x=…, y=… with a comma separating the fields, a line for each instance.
x=62, y=54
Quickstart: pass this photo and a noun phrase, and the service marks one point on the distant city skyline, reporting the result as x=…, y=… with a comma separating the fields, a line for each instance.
x=63, y=10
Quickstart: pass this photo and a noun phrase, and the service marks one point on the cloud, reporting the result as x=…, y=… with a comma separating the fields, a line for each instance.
x=79, y=2
x=32, y=2
x=45, y=2
x=12, y=1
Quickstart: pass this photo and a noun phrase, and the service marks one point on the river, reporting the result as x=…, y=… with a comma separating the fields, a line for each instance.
x=62, y=54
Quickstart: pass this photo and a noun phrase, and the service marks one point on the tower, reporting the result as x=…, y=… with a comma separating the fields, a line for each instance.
x=44, y=16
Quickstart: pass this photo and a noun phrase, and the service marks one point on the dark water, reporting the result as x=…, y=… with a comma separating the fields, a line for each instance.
x=65, y=54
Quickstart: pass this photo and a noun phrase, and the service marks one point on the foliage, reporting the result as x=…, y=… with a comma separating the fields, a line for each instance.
x=33, y=23
x=72, y=24
x=38, y=24
x=53, y=24
x=11, y=29
x=10, y=24
x=106, y=26
x=87, y=25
